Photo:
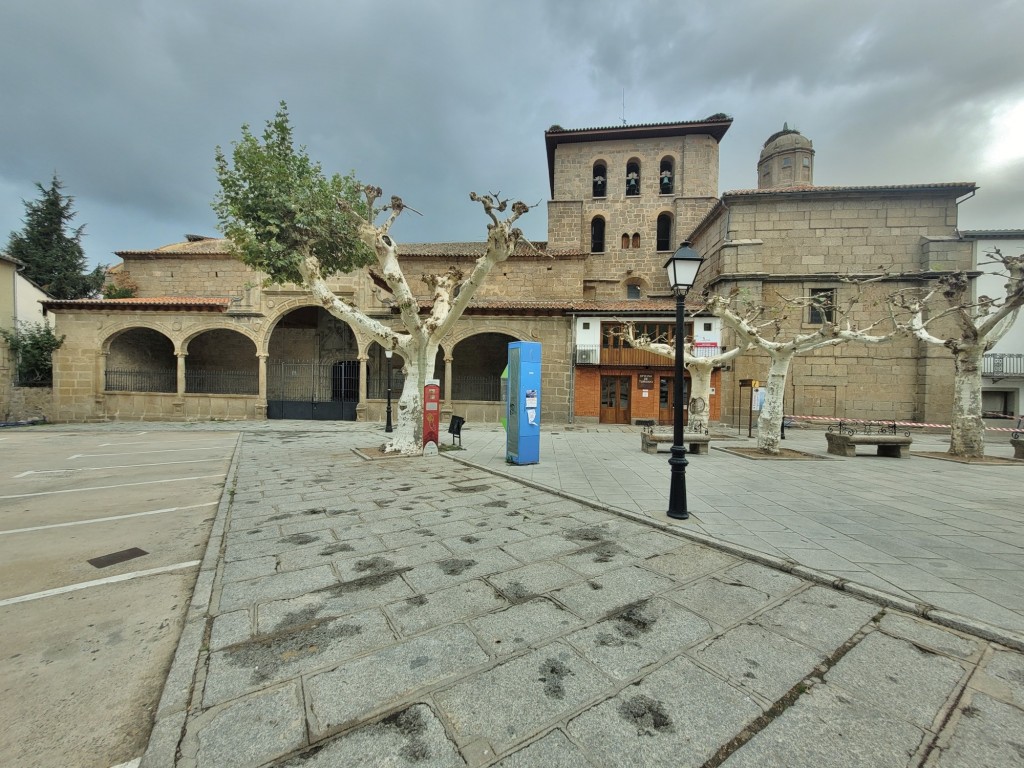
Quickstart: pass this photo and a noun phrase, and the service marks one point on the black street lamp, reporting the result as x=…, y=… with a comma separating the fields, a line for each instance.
x=682, y=267
x=387, y=427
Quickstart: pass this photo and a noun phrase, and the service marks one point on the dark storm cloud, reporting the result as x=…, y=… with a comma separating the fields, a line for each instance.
x=127, y=100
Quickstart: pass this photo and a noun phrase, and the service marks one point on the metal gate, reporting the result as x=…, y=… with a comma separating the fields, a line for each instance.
x=315, y=391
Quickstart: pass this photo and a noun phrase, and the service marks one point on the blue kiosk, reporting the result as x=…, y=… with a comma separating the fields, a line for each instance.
x=522, y=408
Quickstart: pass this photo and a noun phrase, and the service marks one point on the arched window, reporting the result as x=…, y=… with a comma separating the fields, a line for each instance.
x=636, y=239
x=632, y=291
x=666, y=181
x=625, y=241
x=597, y=235
x=665, y=232
x=632, y=178
x=600, y=188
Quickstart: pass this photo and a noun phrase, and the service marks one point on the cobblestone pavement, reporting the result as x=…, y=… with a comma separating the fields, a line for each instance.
x=424, y=612
x=936, y=532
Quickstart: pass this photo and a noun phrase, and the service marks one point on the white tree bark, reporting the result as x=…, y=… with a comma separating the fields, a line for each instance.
x=451, y=293
x=769, y=423
x=979, y=325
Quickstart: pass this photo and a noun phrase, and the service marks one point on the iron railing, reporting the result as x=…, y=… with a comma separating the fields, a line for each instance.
x=222, y=382
x=1002, y=364
x=119, y=380
x=485, y=388
x=196, y=382
x=377, y=388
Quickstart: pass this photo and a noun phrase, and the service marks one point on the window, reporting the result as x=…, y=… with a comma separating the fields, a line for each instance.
x=822, y=308
x=666, y=182
x=787, y=162
x=597, y=235
x=625, y=241
x=665, y=232
x=600, y=188
x=636, y=239
x=632, y=178
x=632, y=291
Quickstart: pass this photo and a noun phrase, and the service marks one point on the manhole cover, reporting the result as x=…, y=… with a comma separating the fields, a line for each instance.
x=117, y=557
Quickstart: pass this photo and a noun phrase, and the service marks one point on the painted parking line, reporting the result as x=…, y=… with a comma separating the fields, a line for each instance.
x=192, y=439
x=139, y=453
x=108, y=487
x=108, y=519
x=96, y=583
x=113, y=466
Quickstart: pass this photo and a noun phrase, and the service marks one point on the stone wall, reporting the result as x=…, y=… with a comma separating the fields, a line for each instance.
x=767, y=247
x=26, y=403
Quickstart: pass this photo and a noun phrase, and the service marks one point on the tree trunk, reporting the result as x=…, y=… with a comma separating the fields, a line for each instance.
x=700, y=394
x=420, y=355
x=769, y=423
x=967, y=430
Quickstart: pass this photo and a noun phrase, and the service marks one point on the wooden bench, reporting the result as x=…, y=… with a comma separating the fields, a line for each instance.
x=651, y=442
x=844, y=444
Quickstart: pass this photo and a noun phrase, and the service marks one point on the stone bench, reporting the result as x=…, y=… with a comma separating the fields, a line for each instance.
x=895, y=446
x=652, y=442
x=1018, y=447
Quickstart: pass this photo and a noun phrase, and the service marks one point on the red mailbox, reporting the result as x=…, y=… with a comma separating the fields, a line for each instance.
x=431, y=413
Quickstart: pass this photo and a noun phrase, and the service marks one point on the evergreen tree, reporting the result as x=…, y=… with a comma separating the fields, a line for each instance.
x=51, y=250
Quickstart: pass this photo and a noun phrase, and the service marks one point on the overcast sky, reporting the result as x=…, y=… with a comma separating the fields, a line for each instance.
x=126, y=100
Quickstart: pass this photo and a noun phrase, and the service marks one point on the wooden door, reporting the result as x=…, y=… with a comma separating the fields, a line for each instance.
x=615, y=392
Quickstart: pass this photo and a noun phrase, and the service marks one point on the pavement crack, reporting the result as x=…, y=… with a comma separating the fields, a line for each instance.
x=790, y=697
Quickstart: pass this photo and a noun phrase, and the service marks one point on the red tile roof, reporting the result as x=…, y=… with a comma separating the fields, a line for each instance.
x=175, y=303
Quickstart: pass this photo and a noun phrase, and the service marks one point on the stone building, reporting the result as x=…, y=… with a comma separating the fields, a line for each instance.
x=205, y=338
x=787, y=239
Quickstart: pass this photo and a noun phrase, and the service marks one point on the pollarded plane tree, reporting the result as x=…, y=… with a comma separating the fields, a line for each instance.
x=766, y=328
x=288, y=220
x=970, y=329
x=700, y=369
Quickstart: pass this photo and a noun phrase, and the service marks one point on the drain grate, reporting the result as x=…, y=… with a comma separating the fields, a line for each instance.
x=117, y=557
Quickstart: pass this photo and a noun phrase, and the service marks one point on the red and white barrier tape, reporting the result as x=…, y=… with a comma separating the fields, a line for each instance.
x=897, y=423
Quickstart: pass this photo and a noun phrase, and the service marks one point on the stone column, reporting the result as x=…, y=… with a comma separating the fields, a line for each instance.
x=361, y=406
x=447, y=409
x=261, y=402
x=179, y=400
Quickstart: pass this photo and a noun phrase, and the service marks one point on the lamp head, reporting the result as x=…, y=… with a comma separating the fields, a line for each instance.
x=682, y=267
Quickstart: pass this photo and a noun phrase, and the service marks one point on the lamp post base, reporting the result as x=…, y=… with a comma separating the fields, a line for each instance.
x=677, y=488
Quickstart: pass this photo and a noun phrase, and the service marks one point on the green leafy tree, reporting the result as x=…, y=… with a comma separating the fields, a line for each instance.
x=51, y=249
x=33, y=345
x=287, y=219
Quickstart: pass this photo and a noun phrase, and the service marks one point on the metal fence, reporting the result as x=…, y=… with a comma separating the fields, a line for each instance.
x=141, y=381
x=485, y=388
x=196, y=382
x=222, y=382
x=377, y=388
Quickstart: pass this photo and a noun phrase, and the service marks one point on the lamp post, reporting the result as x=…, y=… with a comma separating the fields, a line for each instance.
x=681, y=267
x=387, y=426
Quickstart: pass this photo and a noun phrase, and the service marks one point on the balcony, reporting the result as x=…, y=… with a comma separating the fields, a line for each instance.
x=629, y=357
x=1000, y=366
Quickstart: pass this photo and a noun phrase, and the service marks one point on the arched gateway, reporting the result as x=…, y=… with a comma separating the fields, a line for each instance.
x=312, y=367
